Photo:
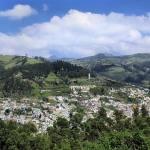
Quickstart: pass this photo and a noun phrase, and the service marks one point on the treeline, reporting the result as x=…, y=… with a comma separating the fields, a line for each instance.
x=99, y=133
x=32, y=71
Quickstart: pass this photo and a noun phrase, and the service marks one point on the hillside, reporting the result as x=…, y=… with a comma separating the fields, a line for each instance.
x=8, y=61
x=131, y=68
x=22, y=76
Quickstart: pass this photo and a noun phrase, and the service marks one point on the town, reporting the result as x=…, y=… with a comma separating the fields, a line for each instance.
x=44, y=113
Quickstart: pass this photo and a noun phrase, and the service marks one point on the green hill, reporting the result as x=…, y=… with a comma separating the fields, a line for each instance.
x=8, y=61
x=131, y=68
x=23, y=76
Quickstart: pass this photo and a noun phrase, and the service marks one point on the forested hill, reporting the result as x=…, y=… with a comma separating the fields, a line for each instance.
x=131, y=68
x=21, y=75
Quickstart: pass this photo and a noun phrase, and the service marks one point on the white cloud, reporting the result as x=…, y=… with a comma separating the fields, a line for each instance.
x=19, y=11
x=81, y=34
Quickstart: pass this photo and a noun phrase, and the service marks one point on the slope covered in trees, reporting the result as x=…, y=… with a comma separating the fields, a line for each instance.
x=22, y=76
x=131, y=68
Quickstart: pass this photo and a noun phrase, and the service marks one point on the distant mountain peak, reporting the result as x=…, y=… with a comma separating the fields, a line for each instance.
x=98, y=56
x=104, y=55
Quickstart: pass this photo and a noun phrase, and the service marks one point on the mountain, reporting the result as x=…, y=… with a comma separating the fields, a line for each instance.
x=96, y=57
x=133, y=69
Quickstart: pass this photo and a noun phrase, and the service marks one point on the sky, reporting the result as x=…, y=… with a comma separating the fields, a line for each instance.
x=74, y=28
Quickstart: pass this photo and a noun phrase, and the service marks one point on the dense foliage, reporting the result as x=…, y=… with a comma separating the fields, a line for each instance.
x=98, y=90
x=99, y=133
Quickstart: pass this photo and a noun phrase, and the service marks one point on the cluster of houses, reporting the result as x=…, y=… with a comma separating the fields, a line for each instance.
x=93, y=103
x=43, y=114
x=141, y=97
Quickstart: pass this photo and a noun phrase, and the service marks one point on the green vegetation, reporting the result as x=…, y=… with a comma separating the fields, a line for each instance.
x=99, y=133
x=11, y=61
x=133, y=69
x=27, y=77
x=98, y=90
x=57, y=90
x=51, y=78
x=123, y=97
x=21, y=76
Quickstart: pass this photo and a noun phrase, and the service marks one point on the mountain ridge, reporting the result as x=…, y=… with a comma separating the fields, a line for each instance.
x=128, y=68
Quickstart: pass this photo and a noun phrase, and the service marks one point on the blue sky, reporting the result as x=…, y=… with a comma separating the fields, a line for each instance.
x=14, y=27
x=60, y=7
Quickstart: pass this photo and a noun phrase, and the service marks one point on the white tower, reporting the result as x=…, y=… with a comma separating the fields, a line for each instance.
x=89, y=76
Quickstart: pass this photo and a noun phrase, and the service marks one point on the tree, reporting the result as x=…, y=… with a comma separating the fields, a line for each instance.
x=118, y=115
x=98, y=91
x=29, y=128
x=102, y=113
x=144, y=111
x=120, y=120
x=135, y=111
x=7, y=111
x=138, y=142
x=75, y=126
x=61, y=123
x=40, y=142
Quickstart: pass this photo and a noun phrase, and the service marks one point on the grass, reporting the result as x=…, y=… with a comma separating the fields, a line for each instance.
x=51, y=78
x=117, y=72
x=57, y=90
x=11, y=61
x=33, y=61
x=83, y=81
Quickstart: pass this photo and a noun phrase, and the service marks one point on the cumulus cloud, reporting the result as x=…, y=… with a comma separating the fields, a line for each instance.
x=19, y=11
x=79, y=34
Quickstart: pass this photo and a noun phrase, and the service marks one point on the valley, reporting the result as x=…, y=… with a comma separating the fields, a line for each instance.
x=74, y=101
